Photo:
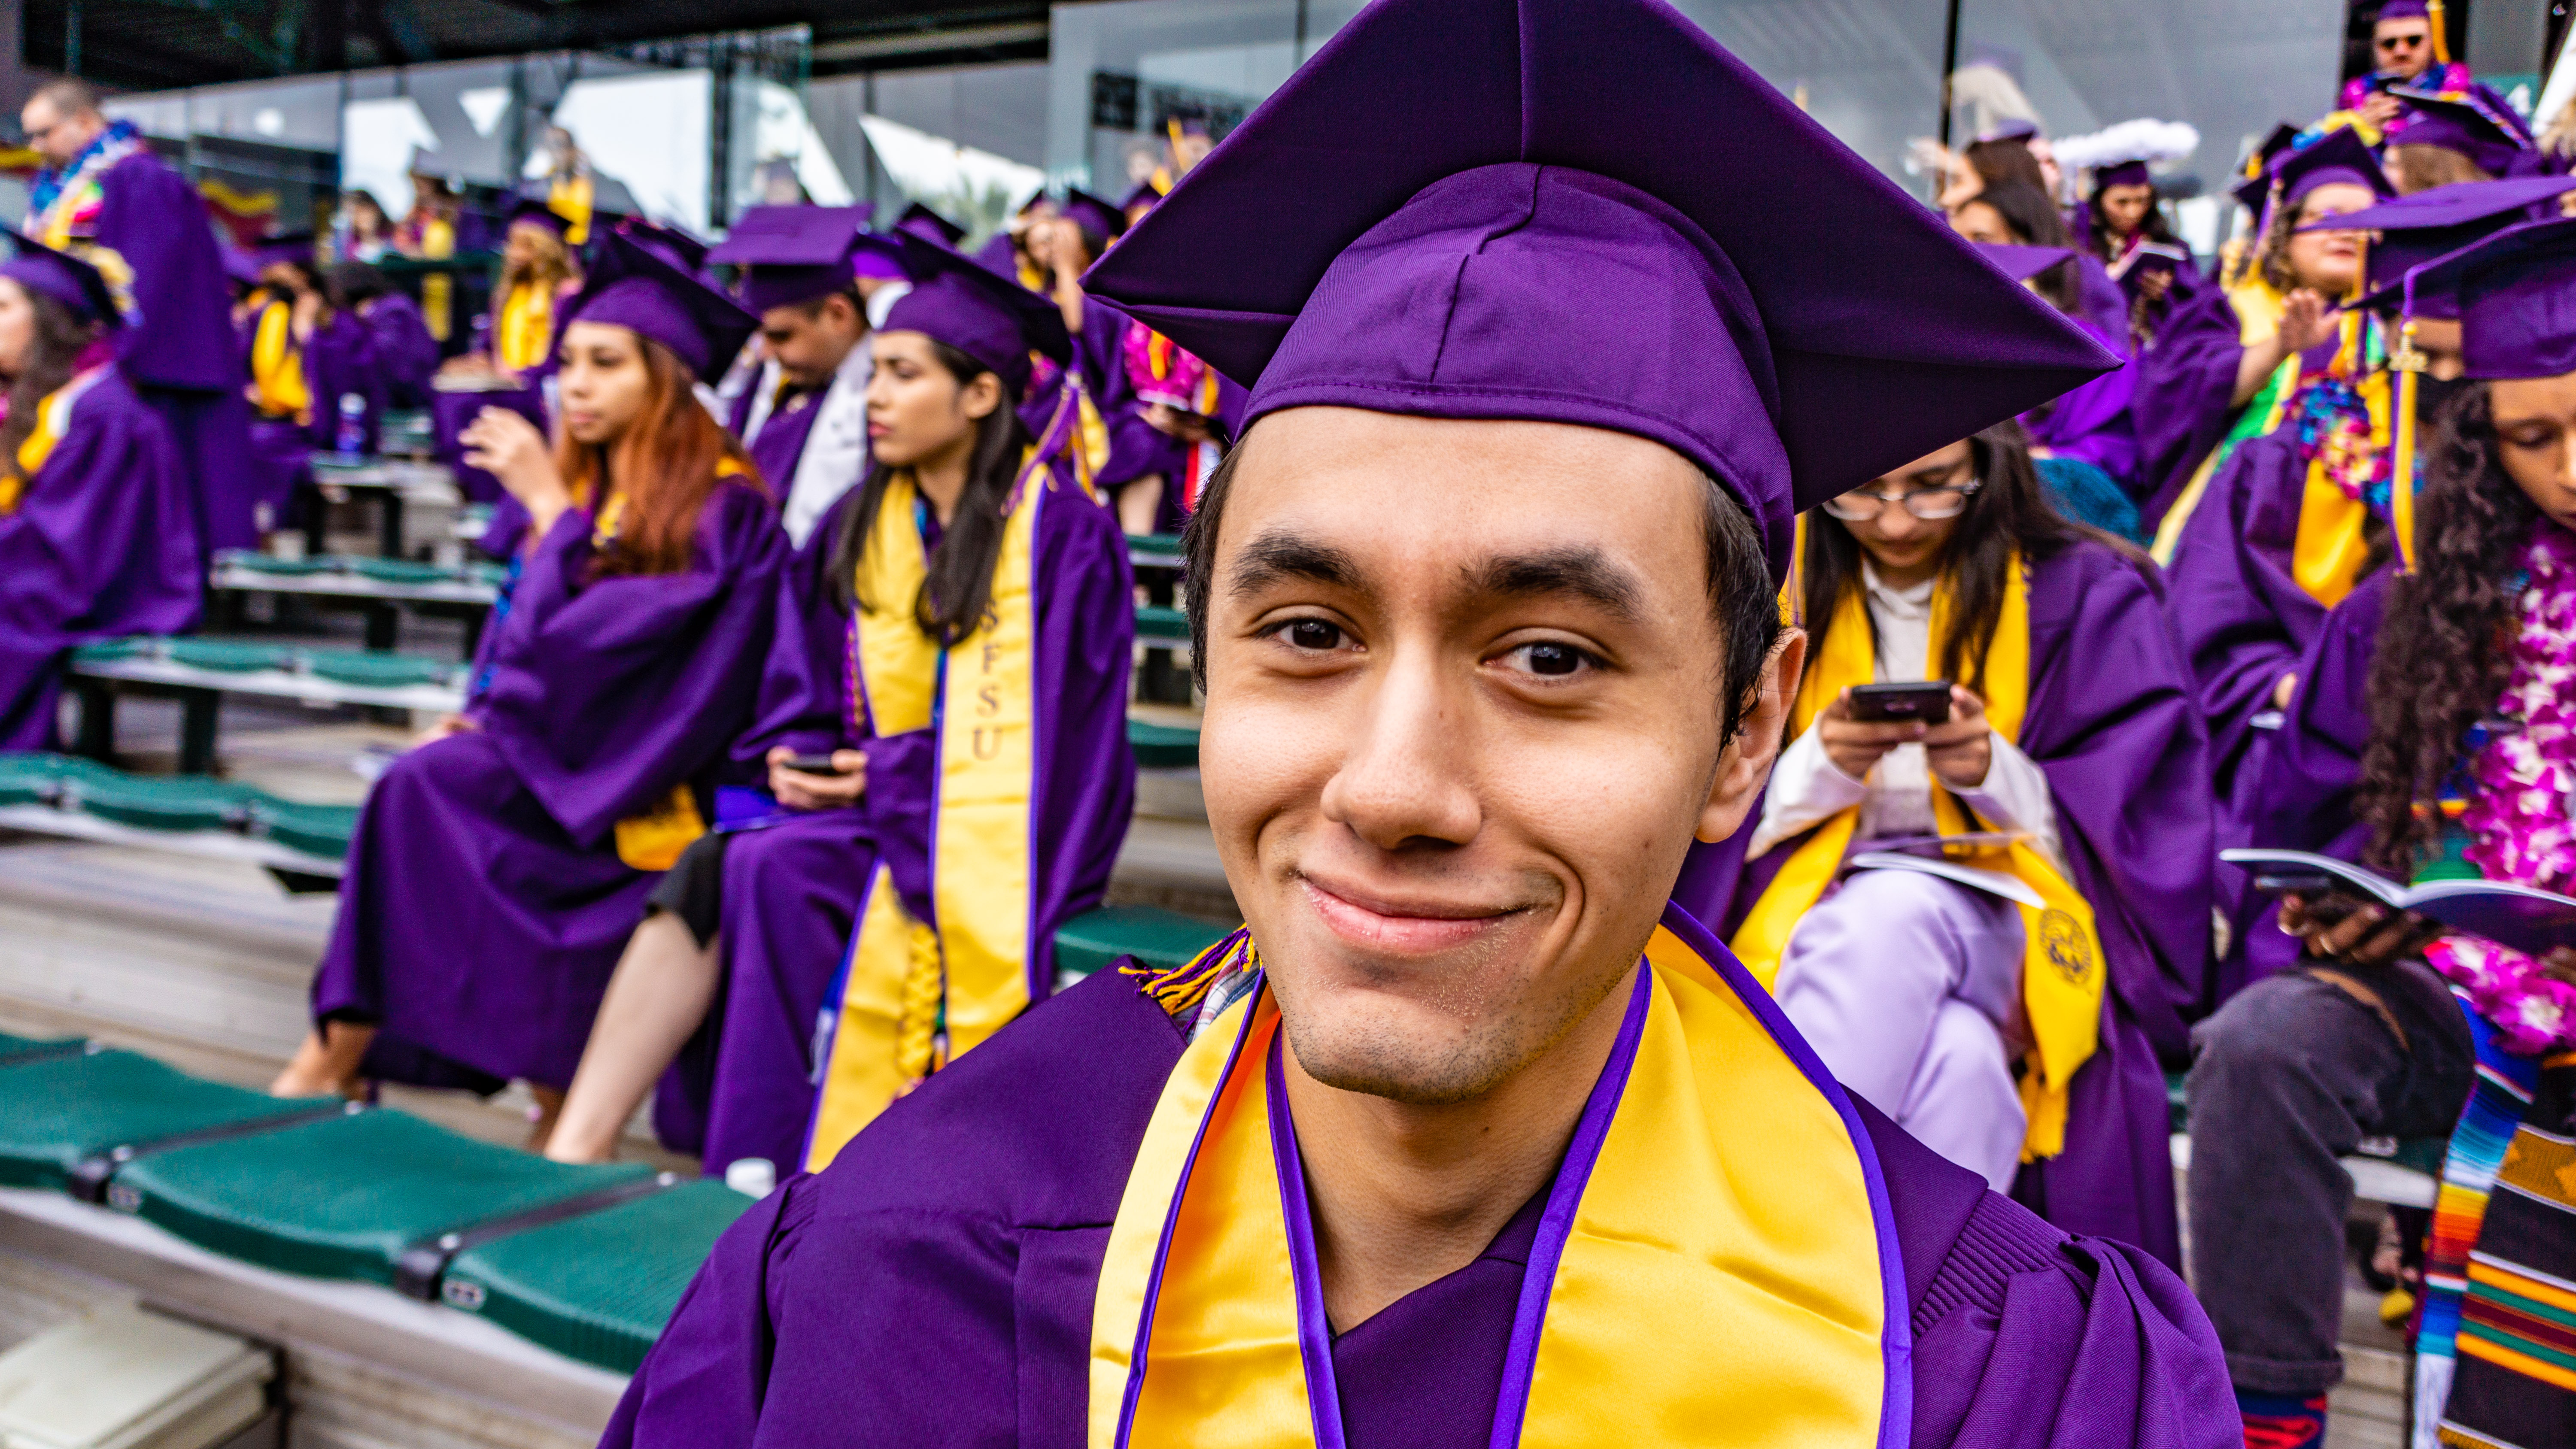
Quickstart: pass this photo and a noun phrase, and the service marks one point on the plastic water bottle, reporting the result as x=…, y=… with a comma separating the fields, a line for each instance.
x=751, y=1176
x=351, y=440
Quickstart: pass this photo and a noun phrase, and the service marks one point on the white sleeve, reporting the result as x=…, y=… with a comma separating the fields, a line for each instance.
x=1806, y=789
x=2015, y=796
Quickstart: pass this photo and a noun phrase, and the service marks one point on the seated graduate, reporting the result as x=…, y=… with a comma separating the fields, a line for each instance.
x=2230, y=361
x=956, y=639
x=805, y=415
x=2123, y=222
x=516, y=340
x=2458, y=136
x=1084, y=228
x=2429, y=736
x=499, y=868
x=1470, y=1137
x=405, y=355
x=308, y=358
x=2296, y=519
x=98, y=534
x=1991, y=1031
x=2083, y=444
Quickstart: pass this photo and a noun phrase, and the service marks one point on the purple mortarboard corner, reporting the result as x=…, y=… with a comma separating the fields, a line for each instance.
x=2514, y=293
x=2010, y=128
x=534, y=209
x=1522, y=256
x=880, y=256
x=2125, y=173
x=794, y=253
x=2461, y=122
x=990, y=318
x=269, y=251
x=2023, y=263
x=2336, y=158
x=635, y=287
x=2403, y=10
x=929, y=225
x=672, y=244
x=239, y=266
x=1145, y=194
x=1094, y=215
x=67, y=279
x=2413, y=230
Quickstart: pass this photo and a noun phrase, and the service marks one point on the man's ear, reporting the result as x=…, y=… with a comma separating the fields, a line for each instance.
x=1746, y=765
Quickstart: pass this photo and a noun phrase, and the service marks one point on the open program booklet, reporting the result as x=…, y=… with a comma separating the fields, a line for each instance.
x=1941, y=855
x=2531, y=921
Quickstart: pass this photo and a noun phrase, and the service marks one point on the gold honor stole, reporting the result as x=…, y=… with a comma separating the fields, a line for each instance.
x=2062, y=978
x=905, y=983
x=53, y=419
x=277, y=366
x=527, y=326
x=1719, y=1190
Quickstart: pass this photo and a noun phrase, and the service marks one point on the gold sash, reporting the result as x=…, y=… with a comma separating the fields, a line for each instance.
x=2063, y=977
x=277, y=366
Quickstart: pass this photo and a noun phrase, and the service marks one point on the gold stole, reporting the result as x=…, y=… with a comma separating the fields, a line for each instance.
x=1716, y=1193
x=437, y=289
x=2062, y=977
x=277, y=366
x=905, y=983
x=53, y=419
x=570, y=198
x=527, y=326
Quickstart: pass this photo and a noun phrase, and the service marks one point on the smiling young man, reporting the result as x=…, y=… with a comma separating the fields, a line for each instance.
x=1468, y=1138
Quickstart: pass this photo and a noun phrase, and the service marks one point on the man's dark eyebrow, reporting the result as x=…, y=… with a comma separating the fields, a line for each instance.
x=1584, y=573
x=1274, y=557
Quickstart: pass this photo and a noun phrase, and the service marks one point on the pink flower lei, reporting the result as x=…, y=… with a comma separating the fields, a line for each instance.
x=2518, y=817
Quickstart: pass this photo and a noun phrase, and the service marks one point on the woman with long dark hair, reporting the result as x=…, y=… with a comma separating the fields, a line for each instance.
x=2428, y=736
x=943, y=723
x=2069, y=763
x=499, y=868
x=98, y=536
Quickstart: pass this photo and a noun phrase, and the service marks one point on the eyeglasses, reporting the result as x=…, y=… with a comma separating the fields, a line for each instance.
x=1932, y=504
x=2398, y=42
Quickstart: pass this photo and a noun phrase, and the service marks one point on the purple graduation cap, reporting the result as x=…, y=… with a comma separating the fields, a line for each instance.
x=992, y=319
x=2122, y=173
x=2010, y=128
x=1093, y=215
x=533, y=209
x=2413, y=230
x=674, y=245
x=1145, y=194
x=289, y=248
x=76, y=283
x=2465, y=122
x=635, y=287
x=2023, y=263
x=1485, y=238
x=929, y=225
x=793, y=253
x=2337, y=157
x=2514, y=292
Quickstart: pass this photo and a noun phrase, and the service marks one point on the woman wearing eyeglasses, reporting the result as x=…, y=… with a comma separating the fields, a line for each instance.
x=2010, y=1016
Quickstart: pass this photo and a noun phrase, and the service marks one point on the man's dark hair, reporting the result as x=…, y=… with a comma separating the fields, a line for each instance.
x=69, y=96
x=1740, y=592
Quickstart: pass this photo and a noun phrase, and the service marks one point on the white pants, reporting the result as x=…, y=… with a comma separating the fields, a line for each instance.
x=1906, y=984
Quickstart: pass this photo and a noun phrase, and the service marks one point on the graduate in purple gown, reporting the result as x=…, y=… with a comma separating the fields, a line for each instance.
x=2456, y=137
x=103, y=184
x=804, y=414
x=1450, y=1146
x=2086, y=444
x=2428, y=737
x=871, y=799
x=498, y=868
x=98, y=537
x=2229, y=362
x=539, y=271
x=314, y=381
x=405, y=356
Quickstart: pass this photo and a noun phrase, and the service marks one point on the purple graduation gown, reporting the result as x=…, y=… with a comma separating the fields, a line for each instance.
x=2113, y=723
x=744, y=1087
x=782, y=434
x=339, y=358
x=485, y=904
x=180, y=358
x=2185, y=395
x=103, y=542
x=934, y=1287
x=2093, y=423
x=405, y=355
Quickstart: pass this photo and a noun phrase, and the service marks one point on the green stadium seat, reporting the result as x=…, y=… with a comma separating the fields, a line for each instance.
x=401, y=571
x=17, y=1049
x=108, y=651
x=33, y=778
x=377, y=671
x=160, y=802
x=343, y=1196
x=1158, y=938
x=231, y=656
x=264, y=563
x=314, y=829
x=60, y=1111
x=1163, y=747
x=1160, y=626
x=597, y=1287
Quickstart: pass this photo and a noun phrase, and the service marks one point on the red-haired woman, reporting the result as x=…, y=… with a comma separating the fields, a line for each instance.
x=499, y=869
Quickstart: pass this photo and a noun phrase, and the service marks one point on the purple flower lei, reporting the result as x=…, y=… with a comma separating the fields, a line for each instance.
x=2518, y=816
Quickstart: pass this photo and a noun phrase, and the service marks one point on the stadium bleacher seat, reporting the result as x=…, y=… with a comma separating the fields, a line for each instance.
x=1155, y=937
x=61, y=1110
x=1163, y=747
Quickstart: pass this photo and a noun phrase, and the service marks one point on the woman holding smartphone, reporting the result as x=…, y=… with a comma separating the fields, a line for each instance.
x=2429, y=735
x=498, y=869
x=2069, y=767
x=943, y=721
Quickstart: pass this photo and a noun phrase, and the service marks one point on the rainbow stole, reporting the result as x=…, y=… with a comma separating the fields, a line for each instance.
x=277, y=366
x=1719, y=1190
x=904, y=982
x=2062, y=971
x=53, y=419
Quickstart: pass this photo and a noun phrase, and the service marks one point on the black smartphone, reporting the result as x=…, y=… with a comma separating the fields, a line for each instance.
x=1925, y=701
x=814, y=765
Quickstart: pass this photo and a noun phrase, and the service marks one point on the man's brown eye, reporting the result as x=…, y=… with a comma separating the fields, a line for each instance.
x=1554, y=659
x=1313, y=634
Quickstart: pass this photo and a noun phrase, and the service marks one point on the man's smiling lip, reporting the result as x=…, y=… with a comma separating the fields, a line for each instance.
x=1400, y=927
